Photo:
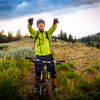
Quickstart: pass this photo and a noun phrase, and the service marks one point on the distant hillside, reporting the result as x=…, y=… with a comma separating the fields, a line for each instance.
x=91, y=40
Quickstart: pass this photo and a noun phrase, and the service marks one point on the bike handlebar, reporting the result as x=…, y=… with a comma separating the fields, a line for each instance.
x=44, y=62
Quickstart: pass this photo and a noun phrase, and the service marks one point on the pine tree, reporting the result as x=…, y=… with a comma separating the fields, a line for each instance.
x=70, y=38
x=65, y=36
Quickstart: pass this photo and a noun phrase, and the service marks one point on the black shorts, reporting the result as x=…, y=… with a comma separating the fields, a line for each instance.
x=51, y=67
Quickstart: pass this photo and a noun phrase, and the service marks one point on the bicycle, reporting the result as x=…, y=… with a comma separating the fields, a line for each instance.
x=44, y=87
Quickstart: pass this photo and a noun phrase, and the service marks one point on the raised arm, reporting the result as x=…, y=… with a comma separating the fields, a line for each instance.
x=54, y=26
x=31, y=30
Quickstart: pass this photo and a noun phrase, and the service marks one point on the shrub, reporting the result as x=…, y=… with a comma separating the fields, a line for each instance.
x=90, y=69
x=3, y=47
x=62, y=78
x=83, y=85
x=71, y=75
x=97, y=81
x=5, y=39
x=97, y=66
x=20, y=52
x=62, y=67
x=2, y=54
x=71, y=65
x=11, y=79
x=94, y=95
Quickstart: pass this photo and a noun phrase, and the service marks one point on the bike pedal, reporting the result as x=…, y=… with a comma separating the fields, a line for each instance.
x=35, y=94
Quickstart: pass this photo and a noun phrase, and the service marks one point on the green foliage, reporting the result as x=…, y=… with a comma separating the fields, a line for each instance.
x=62, y=67
x=20, y=52
x=93, y=95
x=83, y=85
x=71, y=75
x=97, y=66
x=71, y=65
x=6, y=39
x=63, y=36
x=97, y=81
x=62, y=78
x=70, y=37
x=3, y=47
x=93, y=40
x=11, y=79
x=90, y=69
x=9, y=82
x=65, y=67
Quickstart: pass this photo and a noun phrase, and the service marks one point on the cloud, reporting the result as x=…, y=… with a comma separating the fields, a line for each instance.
x=23, y=4
x=15, y=8
x=79, y=24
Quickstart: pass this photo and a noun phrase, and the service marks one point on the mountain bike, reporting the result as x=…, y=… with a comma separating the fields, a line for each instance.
x=44, y=87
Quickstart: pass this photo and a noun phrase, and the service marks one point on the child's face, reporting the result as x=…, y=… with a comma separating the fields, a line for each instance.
x=41, y=26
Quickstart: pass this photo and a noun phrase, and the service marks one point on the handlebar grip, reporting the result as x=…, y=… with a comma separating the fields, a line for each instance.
x=28, y=58
x=32, y=59
x=58, y=62
x=63, y=61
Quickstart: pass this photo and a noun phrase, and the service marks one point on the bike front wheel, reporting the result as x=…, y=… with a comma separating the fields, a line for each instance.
x=41, y=92
x=48, y=90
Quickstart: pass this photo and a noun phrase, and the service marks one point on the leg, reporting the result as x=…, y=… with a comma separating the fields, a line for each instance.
x=53, y=74
x=51, y=68
x=37, y=82
x=37, y=79
x=37, y=74
x=53, y=82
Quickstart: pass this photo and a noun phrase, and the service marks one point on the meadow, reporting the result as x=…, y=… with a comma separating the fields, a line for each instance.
x=77, y=79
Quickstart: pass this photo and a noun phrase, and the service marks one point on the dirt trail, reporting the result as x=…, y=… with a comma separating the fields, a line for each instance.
x=30, y=84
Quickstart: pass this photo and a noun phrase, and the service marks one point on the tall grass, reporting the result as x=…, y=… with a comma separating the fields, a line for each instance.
x=97, y=81
x=74, y=86
x=11, y=78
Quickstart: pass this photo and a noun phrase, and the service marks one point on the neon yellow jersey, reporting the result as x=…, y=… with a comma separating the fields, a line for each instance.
x=42, y=46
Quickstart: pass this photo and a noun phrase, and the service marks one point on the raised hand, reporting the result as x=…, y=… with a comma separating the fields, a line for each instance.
x=30, y=21
x=55, y=21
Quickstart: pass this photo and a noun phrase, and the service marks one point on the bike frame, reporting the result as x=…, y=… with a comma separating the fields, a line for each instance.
x=45, y=74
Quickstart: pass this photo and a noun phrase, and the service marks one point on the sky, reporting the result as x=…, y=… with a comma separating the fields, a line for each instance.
x=77, y=17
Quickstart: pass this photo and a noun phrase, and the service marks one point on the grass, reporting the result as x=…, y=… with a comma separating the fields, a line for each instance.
x=83, y=85
x=71, y=74
x=93, y=69
x=90, y=69
x=72, y=82
x=97, y=66
x=97, y=81
x=64, y=67
x=3, y=47
x=12, y=73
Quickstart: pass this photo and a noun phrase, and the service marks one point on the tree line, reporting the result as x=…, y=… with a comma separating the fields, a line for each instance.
x=65, y=37
x=5, y=39
x=91, y=40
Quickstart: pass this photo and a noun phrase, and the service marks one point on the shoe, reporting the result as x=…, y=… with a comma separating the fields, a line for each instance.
x=56, y=90
x=36, y=90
